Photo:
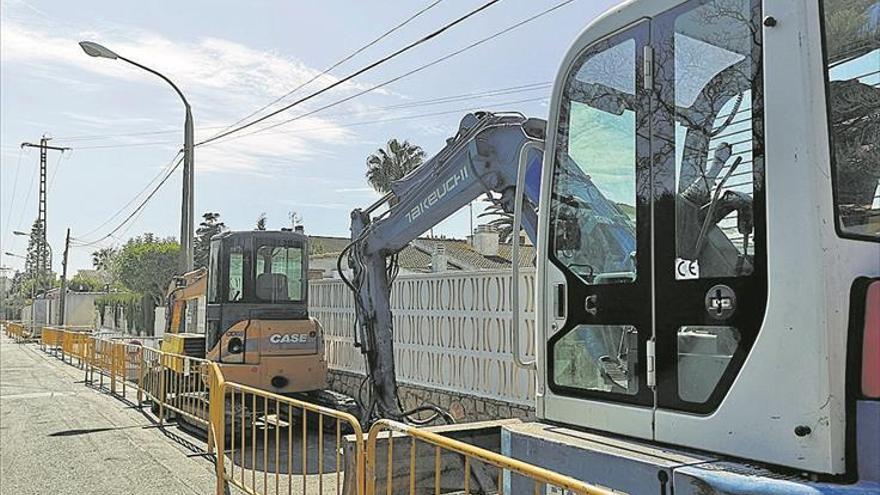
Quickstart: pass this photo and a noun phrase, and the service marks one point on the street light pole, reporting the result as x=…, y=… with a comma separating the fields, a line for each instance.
x=187, y=215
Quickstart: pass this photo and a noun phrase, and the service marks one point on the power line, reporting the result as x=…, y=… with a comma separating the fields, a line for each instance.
x=127, y=145
x=338, y=63
x=426, y=115
x=34, y=179
x=136, y=196
x=470, y=96
x=94, y=137
x=356, y=73
x=397, y=78
x=14, y=188
x=55, y=172
x=136, y=210
x=491, y=93
x=412, y=104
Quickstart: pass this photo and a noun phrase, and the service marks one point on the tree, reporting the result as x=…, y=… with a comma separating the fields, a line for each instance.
x=503, y=220
x=261, y=221
x=210, y=226
x=146, y=264
x=37, y=262
x=392, y=163
x=102, y=259
x=82, y=282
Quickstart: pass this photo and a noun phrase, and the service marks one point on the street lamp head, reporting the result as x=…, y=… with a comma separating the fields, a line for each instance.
x=14, y=255
x=93, y=49
x=18, y=232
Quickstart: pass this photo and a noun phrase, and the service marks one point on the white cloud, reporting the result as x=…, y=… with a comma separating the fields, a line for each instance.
x=223, y=79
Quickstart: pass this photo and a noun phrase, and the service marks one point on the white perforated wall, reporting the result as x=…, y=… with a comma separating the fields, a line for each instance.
x=451, y=332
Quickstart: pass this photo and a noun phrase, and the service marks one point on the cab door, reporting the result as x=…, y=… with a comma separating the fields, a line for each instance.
x=710, y=268
x=597, y=310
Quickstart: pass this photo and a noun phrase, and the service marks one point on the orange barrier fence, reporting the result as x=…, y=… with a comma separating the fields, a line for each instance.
x=264, y=443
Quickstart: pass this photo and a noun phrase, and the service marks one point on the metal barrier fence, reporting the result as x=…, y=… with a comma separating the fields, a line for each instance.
x=17, y=331
x=264, y=443
x=436, y=464
x=279, y=445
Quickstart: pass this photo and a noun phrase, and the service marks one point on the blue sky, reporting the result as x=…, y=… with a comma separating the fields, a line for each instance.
x=231, y=58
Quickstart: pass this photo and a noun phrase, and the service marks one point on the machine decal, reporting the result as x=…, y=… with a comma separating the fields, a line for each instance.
x=437, y=194
x=289, y=338
x=687, y=269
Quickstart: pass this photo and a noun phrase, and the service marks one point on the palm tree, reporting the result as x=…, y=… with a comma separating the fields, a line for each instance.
x=502, y=220
x=391, y=163
x=102, y=258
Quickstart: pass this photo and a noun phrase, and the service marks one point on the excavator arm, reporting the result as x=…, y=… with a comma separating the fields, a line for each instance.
x=491, y=153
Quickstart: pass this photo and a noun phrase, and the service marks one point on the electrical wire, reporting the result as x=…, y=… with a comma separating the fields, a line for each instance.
x=373, y=121
x=163, y=170
x=401, y=76
x=127, y=145
x=96, y=137
x=489, y=93
x=356, y=73
x=14, y=188
x=55, y=172
x=80, y=243
x=34, y=180
x=338, y=63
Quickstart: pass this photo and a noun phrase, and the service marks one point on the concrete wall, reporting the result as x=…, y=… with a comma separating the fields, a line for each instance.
x=36, y=313
x=79, y=308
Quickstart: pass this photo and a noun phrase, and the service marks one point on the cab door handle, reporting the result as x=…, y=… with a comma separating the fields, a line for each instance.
x=559, y=300
x=590, y=304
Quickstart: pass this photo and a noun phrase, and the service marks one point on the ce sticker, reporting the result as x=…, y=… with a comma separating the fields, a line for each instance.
x=686, y=269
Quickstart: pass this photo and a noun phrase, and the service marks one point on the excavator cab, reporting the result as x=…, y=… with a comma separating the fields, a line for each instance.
x=257, y=321
x=255, y=274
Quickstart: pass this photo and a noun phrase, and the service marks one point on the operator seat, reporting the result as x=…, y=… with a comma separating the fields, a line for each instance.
x=272, y=287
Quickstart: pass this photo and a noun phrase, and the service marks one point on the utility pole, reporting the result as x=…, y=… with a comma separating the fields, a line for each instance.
x=41, y=214
x=61, y=306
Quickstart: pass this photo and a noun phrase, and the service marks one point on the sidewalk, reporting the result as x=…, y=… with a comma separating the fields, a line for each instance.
x=59, y=436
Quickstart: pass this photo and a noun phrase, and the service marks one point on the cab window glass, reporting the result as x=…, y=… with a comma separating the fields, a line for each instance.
x=213, y=273
x=279, y=273
x=714, y=130
x=852, y=63
x=236, y=273
x=704, y=352
x=599, y=358
x=593, y=205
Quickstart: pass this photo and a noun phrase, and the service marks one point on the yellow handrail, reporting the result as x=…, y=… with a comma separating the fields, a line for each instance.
x=470, y=452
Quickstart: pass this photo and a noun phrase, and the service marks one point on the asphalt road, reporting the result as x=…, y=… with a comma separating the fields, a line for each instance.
x=59, y=436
